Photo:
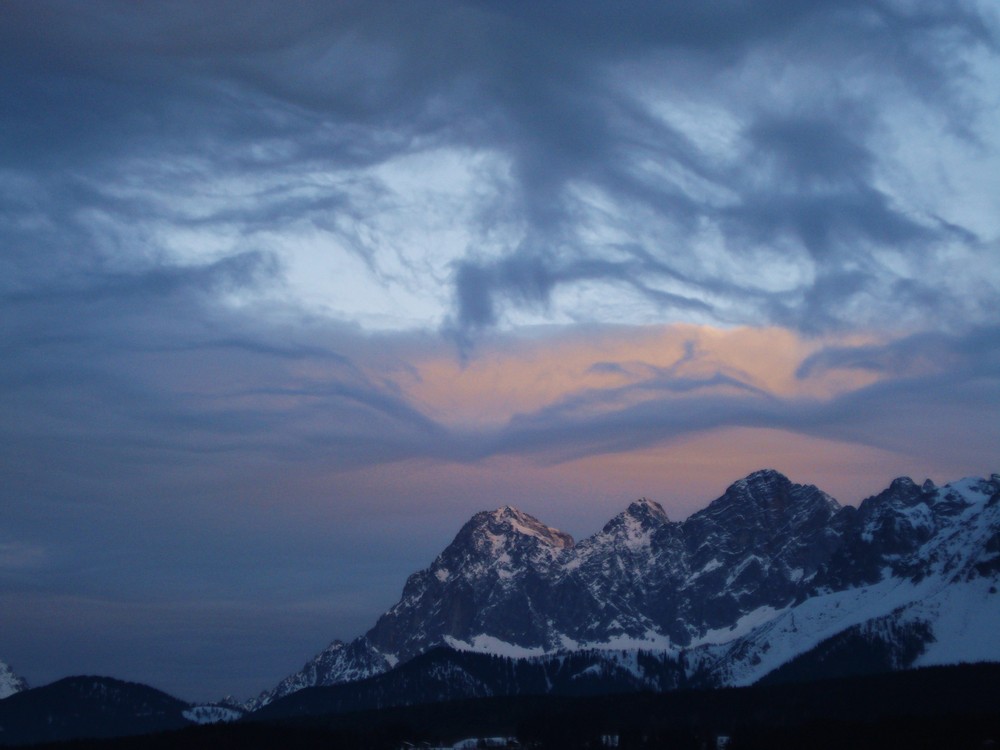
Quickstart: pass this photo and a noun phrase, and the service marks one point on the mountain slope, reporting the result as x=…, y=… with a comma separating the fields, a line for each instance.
x=766, y=573
x=932, y=598
x=443, y=674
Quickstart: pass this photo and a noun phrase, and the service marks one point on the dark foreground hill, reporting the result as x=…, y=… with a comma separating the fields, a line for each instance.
x=87, y=707
x=942, y=707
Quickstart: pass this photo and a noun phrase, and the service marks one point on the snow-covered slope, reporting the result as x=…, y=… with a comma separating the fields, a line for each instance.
x=934, y=599
x=767, y=573
x=10, y=683
x=212, y=714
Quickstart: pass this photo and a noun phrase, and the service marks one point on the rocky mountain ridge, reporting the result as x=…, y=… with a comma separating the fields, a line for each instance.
x=763, y=575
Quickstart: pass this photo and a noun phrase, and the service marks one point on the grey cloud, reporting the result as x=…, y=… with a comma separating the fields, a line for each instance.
x=812, y=155
x=236, y=271
x=810, y=176
x=528, y=278
x=144, y=363
x=607, y=368
x=821, y=188
x=975, y=353
x=350, y=84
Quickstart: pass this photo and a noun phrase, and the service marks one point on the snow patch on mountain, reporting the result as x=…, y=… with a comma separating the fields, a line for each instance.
x=212, y=714
x=521, y=523
x=488, y=644
x=966, y=620
x=746, y=624
x=799, y=629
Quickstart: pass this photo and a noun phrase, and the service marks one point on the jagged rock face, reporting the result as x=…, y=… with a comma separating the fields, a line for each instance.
x=889, y=530
x=720, y=585
x=492, y=579
x=620, y=582
x=509, y=577
x=766, y=516
x=758, y=545
x=489, y=580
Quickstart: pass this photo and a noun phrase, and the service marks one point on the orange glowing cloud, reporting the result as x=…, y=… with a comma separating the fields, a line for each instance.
x=572, y=426
x=621, y=367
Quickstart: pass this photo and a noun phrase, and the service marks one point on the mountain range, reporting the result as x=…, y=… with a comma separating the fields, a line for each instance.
x=773, y=580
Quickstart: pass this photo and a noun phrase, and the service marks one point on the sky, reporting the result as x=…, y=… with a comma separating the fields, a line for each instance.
x=288, y=291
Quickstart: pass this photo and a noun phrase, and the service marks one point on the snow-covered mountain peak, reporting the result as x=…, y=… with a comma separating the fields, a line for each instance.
x=903, y=493
x=974, y=489
x=632, y=529
x=902, y=516
x=767, y=499
x=904, y=483
x=647, y=511
x=10, y=683
x=753, y=493
x=762, y=480
x=507, y=525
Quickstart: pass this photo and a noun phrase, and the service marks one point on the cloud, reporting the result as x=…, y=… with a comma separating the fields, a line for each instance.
x=676, y=160
x=884, y=395
x=971, y=354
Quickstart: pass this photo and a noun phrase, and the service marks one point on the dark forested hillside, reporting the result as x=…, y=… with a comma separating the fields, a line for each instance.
x=942, y=707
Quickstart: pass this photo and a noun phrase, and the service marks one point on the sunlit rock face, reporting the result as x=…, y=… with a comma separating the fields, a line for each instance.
x=493, y=579
x=765, y=573
x=760, y=544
